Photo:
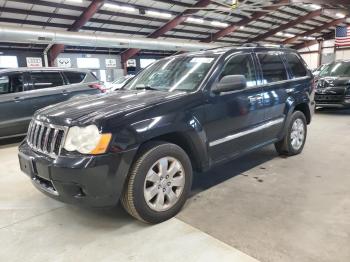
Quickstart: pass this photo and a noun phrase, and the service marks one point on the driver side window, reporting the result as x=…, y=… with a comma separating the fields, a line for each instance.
x=241, y=64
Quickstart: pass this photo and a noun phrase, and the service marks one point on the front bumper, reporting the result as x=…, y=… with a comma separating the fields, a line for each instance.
x=95, y=181
x=330, y=100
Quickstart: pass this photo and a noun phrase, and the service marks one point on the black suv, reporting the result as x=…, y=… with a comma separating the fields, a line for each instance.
x=190, y=111
x=333, y=85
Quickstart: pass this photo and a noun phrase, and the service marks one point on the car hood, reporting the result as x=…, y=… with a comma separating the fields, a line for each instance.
x=98, y=107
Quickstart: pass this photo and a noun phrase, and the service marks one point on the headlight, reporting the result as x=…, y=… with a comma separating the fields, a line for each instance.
x=87, y=140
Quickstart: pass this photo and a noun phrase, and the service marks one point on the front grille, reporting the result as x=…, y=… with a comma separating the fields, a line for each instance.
x=46, y=138
x=329, y=98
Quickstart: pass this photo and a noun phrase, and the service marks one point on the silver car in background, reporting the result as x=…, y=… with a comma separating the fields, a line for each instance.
x=25, y=90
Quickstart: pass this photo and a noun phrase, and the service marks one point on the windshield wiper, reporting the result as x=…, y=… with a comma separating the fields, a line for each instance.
x=146, y=88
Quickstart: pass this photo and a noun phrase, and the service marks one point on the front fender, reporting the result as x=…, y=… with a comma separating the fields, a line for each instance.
x=183, y=129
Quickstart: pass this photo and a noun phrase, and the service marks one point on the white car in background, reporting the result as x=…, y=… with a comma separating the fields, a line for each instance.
x=119, y=83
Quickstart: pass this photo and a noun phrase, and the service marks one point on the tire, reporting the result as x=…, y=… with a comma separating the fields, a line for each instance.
x=286, y=146
x=151, y=172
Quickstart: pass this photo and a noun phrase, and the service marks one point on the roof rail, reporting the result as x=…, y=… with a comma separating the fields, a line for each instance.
x=262, y=45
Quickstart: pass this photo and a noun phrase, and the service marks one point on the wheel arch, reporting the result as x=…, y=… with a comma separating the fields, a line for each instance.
x=190, y=143
x=304, y=108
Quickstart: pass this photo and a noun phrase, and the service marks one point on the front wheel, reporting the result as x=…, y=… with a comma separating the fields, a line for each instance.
x=159, y=183
x=295, y=137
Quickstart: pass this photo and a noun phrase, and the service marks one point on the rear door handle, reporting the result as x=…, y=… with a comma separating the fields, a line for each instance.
x=18, y=99
x=290, y=90
x=256, y=98
x=65, y=92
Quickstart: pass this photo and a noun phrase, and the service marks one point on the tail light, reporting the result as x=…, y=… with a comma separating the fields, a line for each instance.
x=99, y=87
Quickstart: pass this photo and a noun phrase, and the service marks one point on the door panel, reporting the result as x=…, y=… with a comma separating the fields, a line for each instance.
x=13, y=113
x=275, y=81
x=233, y=118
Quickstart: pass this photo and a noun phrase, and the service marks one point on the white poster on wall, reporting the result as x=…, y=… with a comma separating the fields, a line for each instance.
x=64, y=62
x=88, y=62
x=111, y=63
x=131, y=63
x=34, y=62
x=8, y=61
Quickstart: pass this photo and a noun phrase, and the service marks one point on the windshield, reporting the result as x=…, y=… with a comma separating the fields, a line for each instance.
x=183, y=73
x=121, y=80
x=340, y=69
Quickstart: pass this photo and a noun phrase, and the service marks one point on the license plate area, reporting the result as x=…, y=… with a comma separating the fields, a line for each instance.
x=27, y=165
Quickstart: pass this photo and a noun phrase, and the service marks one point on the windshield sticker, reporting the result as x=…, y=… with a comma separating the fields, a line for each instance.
x=202, y=60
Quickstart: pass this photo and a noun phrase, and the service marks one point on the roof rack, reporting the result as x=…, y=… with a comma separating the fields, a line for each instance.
x=262, y=45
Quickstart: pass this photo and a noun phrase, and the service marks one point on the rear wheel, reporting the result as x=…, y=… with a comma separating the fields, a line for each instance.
x=295, y=137
x=159, y=183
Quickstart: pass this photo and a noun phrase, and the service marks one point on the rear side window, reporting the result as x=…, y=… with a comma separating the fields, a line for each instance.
x=296, y=66
x=17, y=83
x=272, y=68
x=42, y=80
x=4, y=85
x=75, y=77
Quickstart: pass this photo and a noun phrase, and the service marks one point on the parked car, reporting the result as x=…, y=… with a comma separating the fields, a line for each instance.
x=119, y=83
x=187, y=112
x=333, y=85
x=25, y=90
x=318, y=70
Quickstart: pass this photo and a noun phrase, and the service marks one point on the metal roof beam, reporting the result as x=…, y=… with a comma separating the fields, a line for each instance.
x=233, y=27
x=307, y=44
x=165, y=28
x=314, y=31
x=92, y=9
x=286, y=26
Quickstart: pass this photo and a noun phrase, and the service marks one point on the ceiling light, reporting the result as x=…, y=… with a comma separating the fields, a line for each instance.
x=279, y=34
x=195, y=20
x=217, y=23
x=158, y=14
x=316, y=7
x=289, y=35
x=120, y=7
x=309, y=38
x=340, y=15
x=75, y=1
x=242, y=27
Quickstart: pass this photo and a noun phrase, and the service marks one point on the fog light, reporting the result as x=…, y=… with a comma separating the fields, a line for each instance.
x=347, y=100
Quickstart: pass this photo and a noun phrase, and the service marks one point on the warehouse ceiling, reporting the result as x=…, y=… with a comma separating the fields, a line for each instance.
x=279, y=21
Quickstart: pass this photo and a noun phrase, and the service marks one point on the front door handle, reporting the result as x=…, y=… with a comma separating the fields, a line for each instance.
x=65, y=92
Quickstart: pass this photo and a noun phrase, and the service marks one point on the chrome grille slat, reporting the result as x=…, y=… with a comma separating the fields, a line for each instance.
x=39, y=142
x=36, y=134
x=54, y=138
x=46, y=138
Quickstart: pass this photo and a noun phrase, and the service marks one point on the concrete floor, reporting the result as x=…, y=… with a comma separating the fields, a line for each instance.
x=283, y=209
x=271, y=208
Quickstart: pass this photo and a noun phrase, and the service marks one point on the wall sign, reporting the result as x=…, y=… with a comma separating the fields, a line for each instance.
x=111, y=63
x=34, y=62
x=90, y=63
x=131, y=63
x=64, y=62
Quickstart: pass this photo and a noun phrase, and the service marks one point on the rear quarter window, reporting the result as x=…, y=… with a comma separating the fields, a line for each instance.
x=90, y=77
x=296, y=65
x=4, y=85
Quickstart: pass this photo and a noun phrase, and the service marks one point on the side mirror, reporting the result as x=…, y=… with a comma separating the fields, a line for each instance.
x=230, y=83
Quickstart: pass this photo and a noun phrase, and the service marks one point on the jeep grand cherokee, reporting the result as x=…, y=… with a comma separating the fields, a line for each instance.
x=183, y=113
